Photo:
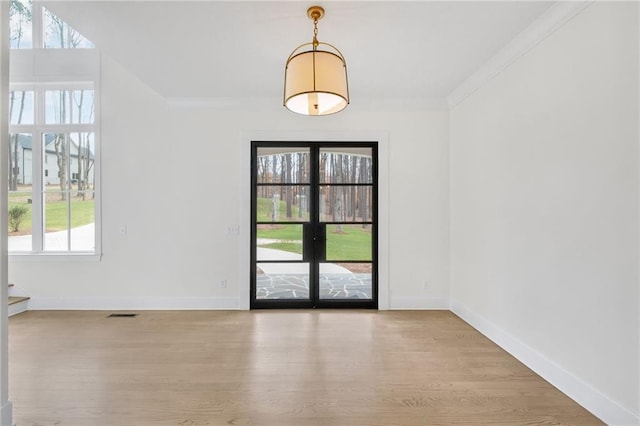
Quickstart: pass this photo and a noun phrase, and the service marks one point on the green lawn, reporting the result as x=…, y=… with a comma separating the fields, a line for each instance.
x=82, y=213
x=280, y=232
x=353, y=243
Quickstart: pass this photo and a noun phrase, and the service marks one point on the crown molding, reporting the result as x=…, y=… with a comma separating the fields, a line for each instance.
x=546, y=24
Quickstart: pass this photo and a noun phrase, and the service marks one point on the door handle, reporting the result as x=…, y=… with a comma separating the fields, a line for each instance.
x=313, y=242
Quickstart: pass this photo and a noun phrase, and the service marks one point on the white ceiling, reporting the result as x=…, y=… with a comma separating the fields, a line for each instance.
x=237, y=49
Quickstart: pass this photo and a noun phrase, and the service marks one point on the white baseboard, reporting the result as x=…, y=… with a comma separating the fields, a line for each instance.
x=186, y=303
x=6, y=414
x=133, y=303
x=584, y=394
x=408, y=303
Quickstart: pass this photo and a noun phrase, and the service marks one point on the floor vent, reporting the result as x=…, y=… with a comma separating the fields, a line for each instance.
x=122, y=315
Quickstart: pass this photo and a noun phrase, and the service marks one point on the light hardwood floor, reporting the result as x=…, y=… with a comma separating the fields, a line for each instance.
x=271, y=368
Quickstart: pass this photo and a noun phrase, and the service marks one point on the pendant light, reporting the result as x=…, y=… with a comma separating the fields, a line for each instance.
x=315, y=80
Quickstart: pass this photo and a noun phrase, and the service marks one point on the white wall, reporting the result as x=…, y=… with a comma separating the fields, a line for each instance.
x=177, y=250
x=544, y=209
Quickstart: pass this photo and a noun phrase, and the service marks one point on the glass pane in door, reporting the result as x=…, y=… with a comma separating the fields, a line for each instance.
x=346, y=203
x=348, y=242
x=282, y=165
x=279, y=241
x=282, y=203
x=282, y=280
x=345, y=281
x=351, y=165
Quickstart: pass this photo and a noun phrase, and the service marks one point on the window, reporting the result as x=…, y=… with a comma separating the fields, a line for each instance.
x=53, y=143
x=69, y=106
x=59, y=35
x=59, y=207
x=21, y=107
x=55, y=34
x=20, y=25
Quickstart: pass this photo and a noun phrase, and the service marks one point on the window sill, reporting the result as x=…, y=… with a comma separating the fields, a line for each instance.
x=55, y=257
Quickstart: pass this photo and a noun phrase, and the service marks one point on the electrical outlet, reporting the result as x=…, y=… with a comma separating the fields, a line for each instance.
x=223, y=283
x=426, y=285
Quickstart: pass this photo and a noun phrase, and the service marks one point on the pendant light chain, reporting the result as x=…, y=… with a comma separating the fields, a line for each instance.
x=315, y=33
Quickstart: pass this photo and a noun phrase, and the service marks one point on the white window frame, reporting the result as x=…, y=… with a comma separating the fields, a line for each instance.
x=37, y=130
x=40, y=69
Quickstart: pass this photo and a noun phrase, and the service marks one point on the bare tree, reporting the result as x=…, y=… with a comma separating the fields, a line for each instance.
x=263, y=164
x=85, y=164
x=85, y=158
x=19, y=15
x=302, y=198
x=288, y=192
x=14, y=170
x=363, y=197
x=338, y=201
x=283, y=177
x=67, y=36
x=353, y=204
x=60, y=146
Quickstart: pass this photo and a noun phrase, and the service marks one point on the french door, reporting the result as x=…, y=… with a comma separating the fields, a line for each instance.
x=314, y=225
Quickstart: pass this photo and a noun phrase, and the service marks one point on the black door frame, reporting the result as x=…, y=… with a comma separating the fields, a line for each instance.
x=314, y=243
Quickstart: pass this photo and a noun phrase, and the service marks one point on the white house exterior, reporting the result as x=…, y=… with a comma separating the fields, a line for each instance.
x=51, y=175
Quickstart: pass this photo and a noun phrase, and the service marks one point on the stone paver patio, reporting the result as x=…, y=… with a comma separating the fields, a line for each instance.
x=296, y=286
x=290, y=280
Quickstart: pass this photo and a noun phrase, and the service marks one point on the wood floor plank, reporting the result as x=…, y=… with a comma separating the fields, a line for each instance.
x=263, y=368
